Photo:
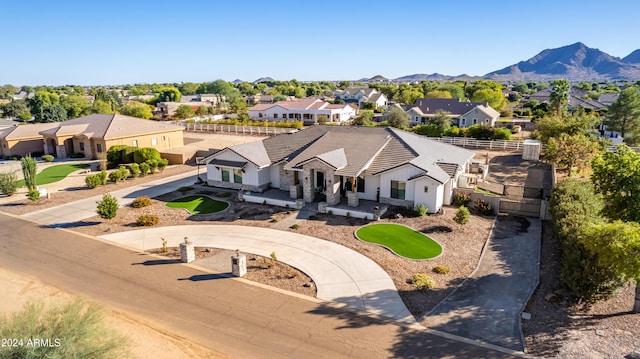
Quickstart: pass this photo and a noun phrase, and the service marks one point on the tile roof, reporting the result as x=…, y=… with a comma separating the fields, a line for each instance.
x=26, y=131
x=352, y=150
x=110, y=126
x=429, y=106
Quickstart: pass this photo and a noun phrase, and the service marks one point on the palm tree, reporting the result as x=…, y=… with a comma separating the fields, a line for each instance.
x=560, y=94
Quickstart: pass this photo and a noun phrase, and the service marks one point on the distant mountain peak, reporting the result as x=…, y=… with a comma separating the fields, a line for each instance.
x=575, y=62
x=632, y=58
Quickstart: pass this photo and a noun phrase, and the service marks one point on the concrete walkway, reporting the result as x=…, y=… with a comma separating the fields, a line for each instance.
x=340, y=274
x=489, y=304
x=86, y=208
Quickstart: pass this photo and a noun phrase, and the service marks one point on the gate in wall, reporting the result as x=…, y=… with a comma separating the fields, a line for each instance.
x=528, y=207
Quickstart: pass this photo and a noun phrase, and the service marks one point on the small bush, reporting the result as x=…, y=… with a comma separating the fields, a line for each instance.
x=422, y=281
x=146, y=154
x=462, y=215
x=441, y=269
x=162, y=164
x=420, y=210
x=134, y=169
x=107, y=206
x=330, y=212
x=115, y=176
x=461, y=199
x=144, y=169
x=103, y=177
x=484, y=208
x=153, y=166
x=8, y=184
x=33, y=194
x=147, y=220
x=93, y=181
x=348, y=215
x=47, y=158
x=295, y=226
x=142, y=201
x=164, y=245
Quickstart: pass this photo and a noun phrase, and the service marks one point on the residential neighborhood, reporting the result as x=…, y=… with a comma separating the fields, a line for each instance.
x=319, y=192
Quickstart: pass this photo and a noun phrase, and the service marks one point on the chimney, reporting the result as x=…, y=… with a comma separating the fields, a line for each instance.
x=420, y=103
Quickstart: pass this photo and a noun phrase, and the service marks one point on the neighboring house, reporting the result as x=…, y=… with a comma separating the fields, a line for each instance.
x=361, y=95
x=587, y=104
x=6, y=123
x=141, y=98
x=577, y=98
x=608, y=98
x=462, y=113
x=195, y=101
x=91, y=135
x=309, y=110
x=337, y=164
x=22, y=95
x=265, y=99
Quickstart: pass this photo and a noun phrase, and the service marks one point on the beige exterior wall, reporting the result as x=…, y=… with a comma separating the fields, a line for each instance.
x=163, y=140
x=21, y=147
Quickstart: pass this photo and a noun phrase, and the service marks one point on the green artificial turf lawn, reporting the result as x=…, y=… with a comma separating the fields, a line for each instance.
x=55, y=173
x=402, y=240
x=198, y=204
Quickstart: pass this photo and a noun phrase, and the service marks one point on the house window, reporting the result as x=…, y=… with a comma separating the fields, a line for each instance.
x=154, y=142
x=464, y=122
x=225, y=175
x=275, y=115
x=360, y=185
x=135, y=143
x=237, y=176
x=81, y=146
x=475, y=121
x=397, y=189
x=426, y=189
x=99, y=148
x=259, y=114
x=164, y=138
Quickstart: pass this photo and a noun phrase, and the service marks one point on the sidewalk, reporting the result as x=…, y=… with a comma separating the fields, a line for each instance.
x=83, y=209
x=340, y=274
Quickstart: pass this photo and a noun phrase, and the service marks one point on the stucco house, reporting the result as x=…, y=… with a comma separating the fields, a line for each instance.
x=361, y=95
x=91, y=135
x=462, y=113
x=308, y=110
x=334, y=164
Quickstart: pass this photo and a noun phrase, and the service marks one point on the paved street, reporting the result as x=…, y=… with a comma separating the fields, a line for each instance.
x=226, y=315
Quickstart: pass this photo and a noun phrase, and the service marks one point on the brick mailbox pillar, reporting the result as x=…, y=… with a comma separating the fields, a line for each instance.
x=187, y=251
x=238, y=264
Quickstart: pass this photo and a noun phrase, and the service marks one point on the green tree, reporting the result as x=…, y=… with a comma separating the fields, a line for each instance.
x=616, y=175
x=617, y=246
x=441, y=119
x=568, y=151
x=396, y=117
x=168, y=94
x=53, y=113
x=202, y=110
x=15, y=109
x=624, y=113
x=410, y=95
x=107, y=206
x=40, y=101
x=438, y=94
x=494, y=97
x=577, y=123
x=364, y=118
x=76, y=106
x=29, y=171
x=188, y=88
x=136, y=109
x=100, y=106
x=185, y=111
x=560, y=95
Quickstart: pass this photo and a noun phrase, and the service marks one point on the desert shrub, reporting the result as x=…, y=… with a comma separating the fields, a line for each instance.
x=115, y=154
x=162, y=164
x=294, y=226
x=164, y=245
x=33, y=194
x=103, y=166
x=501, y=134
x=107, y=206
x=76, y=329
x=47, y=158
x=441, y=269
x=484, y=208
x=422, y=281
x=93, y=181
x=77, y=155
x=145, y=154
x=29, y=171
x=147, y=220
x=153, y=166
x=462, y=215
x=124, y=172
x=141, y=201
x=461, y=199
x=115, y=176
x=134, y=169
x=8, y=184
x=348, y=215
x=574, y=204
x=420, y=210
x=144, y=169
x=103, y=177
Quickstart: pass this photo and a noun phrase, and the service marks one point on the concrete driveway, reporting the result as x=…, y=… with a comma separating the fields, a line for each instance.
x=489, y=304
x=341, y=275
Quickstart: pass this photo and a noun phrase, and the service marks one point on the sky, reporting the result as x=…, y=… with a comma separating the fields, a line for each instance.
x=116, y=42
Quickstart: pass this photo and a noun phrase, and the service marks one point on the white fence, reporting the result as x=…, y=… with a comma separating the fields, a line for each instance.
x=245, y=130
x=467, y=142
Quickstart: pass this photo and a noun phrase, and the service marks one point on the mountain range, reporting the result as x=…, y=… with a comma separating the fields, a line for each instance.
x=575, y=62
